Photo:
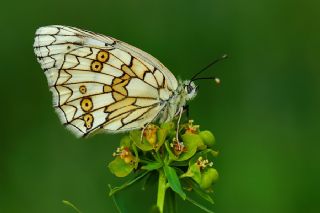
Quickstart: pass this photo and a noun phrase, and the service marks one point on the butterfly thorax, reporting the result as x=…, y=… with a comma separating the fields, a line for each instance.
x=185, y=91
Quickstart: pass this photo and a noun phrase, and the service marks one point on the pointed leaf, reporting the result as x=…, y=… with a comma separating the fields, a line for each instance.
x=152, y=166
x=125, y=141
x=127, y=184
x=174, y=181
x=196, y=188
x=161, y=136
x=199, y=205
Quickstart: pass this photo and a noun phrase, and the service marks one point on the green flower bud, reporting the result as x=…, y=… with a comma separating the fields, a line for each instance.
x=208, y=178
x=207, y=137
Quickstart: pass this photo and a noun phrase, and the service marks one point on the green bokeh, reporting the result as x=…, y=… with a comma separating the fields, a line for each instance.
x=265, y=114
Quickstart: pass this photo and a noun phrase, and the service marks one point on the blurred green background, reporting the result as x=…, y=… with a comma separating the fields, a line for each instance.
x=265, y=114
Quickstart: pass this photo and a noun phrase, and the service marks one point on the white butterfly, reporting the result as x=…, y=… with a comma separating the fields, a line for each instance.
x=101, y=83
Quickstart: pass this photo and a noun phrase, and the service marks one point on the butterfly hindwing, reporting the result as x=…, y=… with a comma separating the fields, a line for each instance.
x=98, y=83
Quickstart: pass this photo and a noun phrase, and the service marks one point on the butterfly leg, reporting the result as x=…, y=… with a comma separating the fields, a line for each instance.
x=186, y=108
x=179, y=145
x=178, y=123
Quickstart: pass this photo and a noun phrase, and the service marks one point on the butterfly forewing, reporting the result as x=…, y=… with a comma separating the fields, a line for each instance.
x=99, y=82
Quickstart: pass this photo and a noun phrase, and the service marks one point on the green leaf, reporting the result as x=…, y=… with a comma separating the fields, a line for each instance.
x=169, y=126
x=199, y=205
x=195, y=187
x=67, y=203
x=125, y=141
x=171, y=155
x=127, y=184
x=161, y=136
x=152, y=166
x=120, y=168
x=174, y=181
x=143, y=144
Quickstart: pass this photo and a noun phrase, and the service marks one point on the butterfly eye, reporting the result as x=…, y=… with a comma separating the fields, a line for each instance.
x=189, y=88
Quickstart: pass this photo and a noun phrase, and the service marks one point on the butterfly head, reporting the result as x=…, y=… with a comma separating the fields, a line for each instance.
x=191, y=89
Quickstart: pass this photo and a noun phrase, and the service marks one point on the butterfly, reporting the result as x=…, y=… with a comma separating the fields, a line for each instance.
x=100, y=83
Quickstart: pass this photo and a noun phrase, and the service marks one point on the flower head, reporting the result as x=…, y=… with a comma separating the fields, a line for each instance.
x=190, y=128
x=125, y=154
x=178, y=147
x=150, y=133
x=203, y=163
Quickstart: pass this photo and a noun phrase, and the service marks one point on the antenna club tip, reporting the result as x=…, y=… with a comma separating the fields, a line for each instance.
x=217, y=80
x=224, y=56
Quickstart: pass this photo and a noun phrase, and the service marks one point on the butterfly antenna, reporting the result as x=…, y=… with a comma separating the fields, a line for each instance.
x=217, y=80
x=206, y=67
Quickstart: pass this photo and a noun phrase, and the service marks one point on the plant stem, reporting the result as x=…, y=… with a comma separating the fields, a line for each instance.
x=161, y=190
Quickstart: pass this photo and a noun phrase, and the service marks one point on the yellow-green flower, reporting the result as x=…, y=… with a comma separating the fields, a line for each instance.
x=178, y=147
x=150, y=134
x=125, y=154
x=123, y=163
x=191, y=128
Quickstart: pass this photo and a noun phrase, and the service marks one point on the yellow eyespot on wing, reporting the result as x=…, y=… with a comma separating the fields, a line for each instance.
x=83, y=89
x=86, y=104
x=102, y=56
x=96, y=66
x=88, y=120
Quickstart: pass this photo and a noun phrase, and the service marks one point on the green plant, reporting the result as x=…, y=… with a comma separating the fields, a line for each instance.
x=183, y=165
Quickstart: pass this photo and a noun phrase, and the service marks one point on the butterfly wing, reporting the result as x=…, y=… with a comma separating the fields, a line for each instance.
x=99, y=82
